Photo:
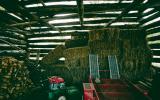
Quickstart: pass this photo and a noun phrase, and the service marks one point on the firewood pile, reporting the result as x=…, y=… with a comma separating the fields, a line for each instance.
x=14, y=78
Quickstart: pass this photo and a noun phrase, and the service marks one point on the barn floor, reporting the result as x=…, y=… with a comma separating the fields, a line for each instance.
x=112, y=89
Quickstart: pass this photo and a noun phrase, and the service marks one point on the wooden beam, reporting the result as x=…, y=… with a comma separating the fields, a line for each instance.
x=13, y=41
x=90, y=28
x=23, y=11
x=154, y=46
x=155, y=24
x=150, y=18
x=88, y=15
x=41, y=50
x=59, y=9
x=148, y=13
x=40, y=41
x=12, y=48
x=156, y=52
x=156, y=60
x=125, y=11
x=46, y=35
x=11, y=35
x=154, y=30
x=41, y=55
x=153, y=38
x=80, y=10
x=42, y=46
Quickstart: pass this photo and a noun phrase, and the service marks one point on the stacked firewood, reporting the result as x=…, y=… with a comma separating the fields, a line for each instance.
x=14, y=79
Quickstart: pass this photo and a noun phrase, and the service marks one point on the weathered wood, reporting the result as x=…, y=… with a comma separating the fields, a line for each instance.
x=80, y=10
x=148, y=13
x=12, y=48
x=12, y=35
x=91, y=28
x=156, y=60
x=15, y=54
x=125, y=11
x=23, y=11
x=39, y=41
x=142, y=21
x=46, y=35
x=42, y=46
x=13, y=41
x=154, y=46
x=35, y=55
x=154, y=30
x=41, y=50
x=87, y=15
x=8, y=16
x=155, y=24
x=73, y=8
x=153, y=38
x=156, y=52
x=76, y=43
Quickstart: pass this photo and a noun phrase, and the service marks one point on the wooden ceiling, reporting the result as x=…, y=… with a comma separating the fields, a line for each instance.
x=53, y=18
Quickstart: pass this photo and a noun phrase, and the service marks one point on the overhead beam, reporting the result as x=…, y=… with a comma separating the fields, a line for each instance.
x=77, y=22
x=57, y=9
x=40, y=41
x=125, y=11
x=80, y=10
x=24, y=12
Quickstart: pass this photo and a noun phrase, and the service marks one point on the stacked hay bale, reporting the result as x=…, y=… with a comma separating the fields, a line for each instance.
x=53, y=56
x=76, y=60
x=14, y=78
x=104, y=42
x=135, y=62
x=76, y=43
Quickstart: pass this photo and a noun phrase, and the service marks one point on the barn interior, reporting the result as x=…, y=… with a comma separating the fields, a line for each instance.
x=98, y=49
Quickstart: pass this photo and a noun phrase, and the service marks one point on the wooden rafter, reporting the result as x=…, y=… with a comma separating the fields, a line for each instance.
x=24, y=12
x=80, y=10
x=125, y=11
x=77, y=22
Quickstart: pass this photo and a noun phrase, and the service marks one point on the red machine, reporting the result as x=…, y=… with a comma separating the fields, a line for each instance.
x=56, y=79
x=56, y=83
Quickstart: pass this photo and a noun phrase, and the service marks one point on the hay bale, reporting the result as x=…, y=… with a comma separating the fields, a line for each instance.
x=53, y=56
x=104, y=35
x=14, y=78
x=135, y=61
x=76, y=43
x=76, y=52
x=77, y=62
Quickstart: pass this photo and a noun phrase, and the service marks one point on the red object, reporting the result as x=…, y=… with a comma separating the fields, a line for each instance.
x=56, y=79
x=90, y=92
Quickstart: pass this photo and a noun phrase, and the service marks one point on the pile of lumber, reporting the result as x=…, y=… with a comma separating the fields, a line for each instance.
x=14, y=78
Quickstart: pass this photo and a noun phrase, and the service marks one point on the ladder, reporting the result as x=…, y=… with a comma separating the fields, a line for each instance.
x=94, y=66
x=113, y=66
